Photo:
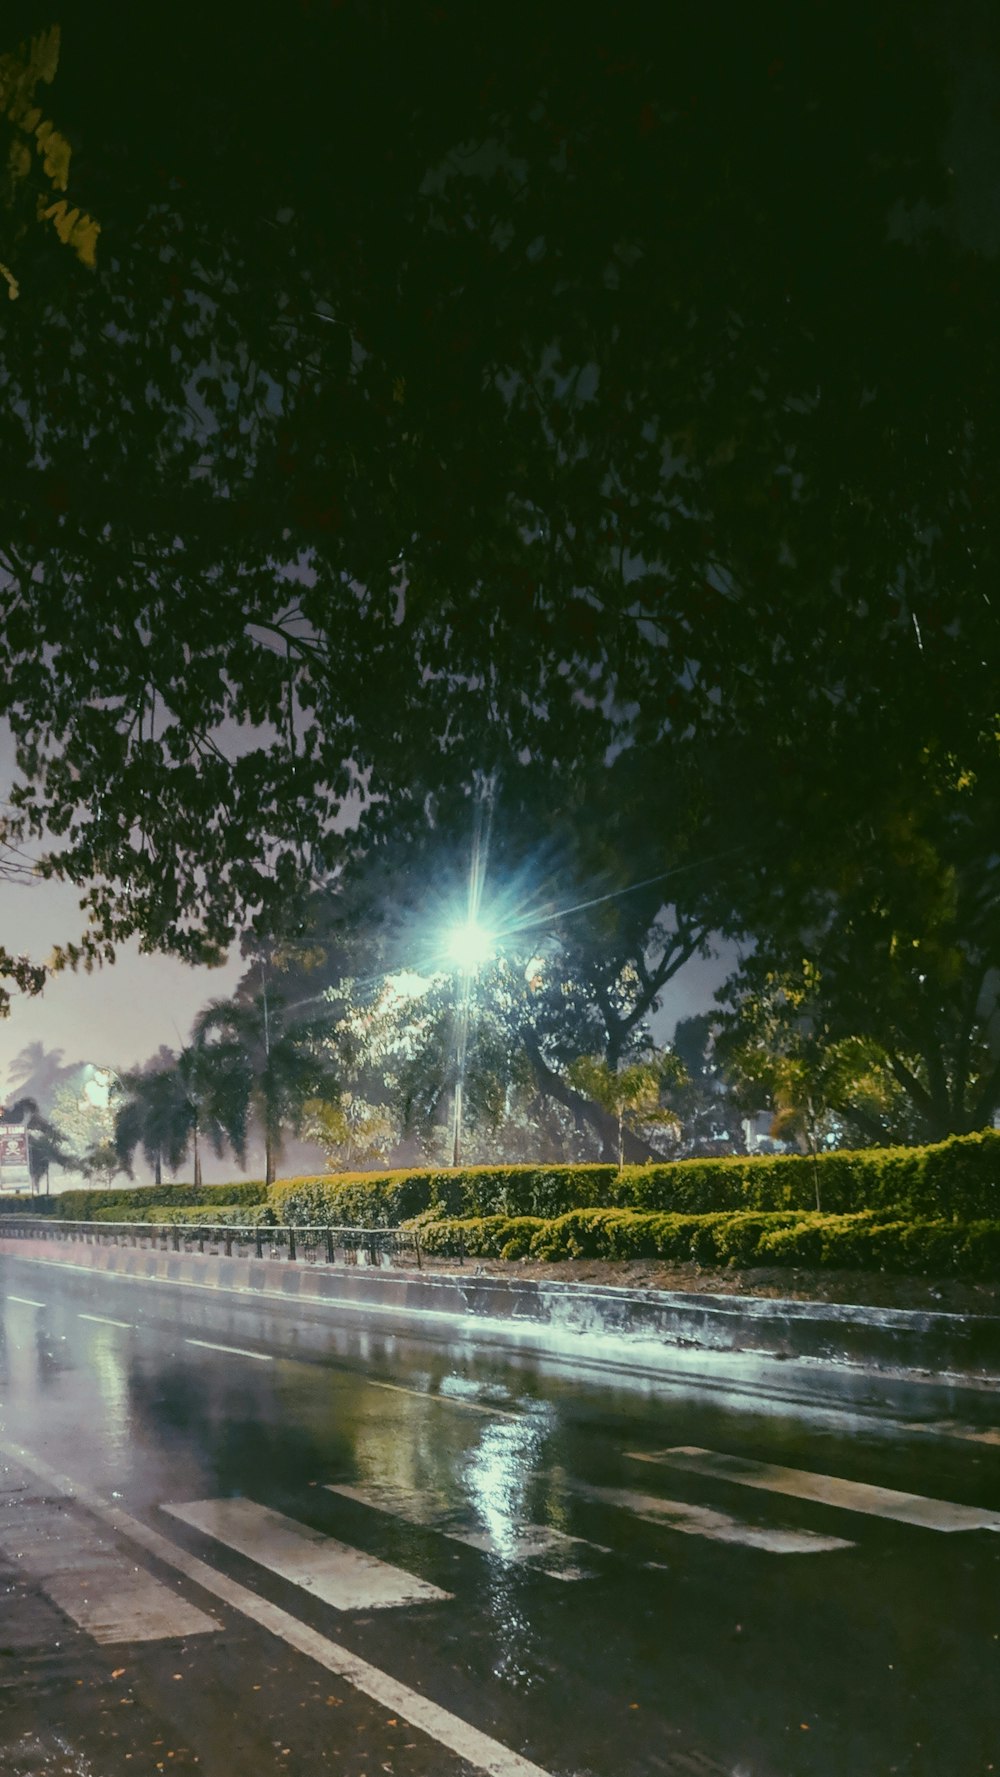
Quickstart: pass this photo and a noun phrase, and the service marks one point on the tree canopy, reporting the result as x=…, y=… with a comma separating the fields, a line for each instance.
x=610, y=400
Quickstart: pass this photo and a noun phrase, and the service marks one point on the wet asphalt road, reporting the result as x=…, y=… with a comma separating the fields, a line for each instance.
x=254, y=1538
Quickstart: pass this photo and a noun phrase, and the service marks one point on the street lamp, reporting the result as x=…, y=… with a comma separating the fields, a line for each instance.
x=469, y=946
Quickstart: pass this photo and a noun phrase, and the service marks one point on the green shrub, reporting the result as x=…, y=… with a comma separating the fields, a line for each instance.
x=82, y=1206
x=959, y=1178
x=865, y=1241
x=603, y=1234
x=493, y=1237
x=380, y=1199
x=351, y=1200
x=225, y=1215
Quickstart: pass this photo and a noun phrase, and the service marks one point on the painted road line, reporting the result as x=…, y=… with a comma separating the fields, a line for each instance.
x=830, y=1490
x=99, y=1588
x=445, y=1400
x=479, y=1750
x=718, y=1527
x=104, y=1320
x=234, y=1350
x=530, y=1545
x=344, y=1577
x=953, y=1428
x=25, y=1301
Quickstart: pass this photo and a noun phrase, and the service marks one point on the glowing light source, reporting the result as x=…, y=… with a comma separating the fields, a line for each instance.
x=469, y=945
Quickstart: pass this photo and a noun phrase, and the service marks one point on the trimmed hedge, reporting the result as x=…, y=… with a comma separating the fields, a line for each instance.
x=227, y=1215
x=959, y=1178
x=131, y=1202
x=353, y=1199
x=866, y=1241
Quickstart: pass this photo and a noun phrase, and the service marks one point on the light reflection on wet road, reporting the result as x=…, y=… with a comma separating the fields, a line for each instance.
x=482, y=1534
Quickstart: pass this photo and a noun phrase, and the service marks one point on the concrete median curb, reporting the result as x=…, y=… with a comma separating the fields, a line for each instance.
x=545, y=1312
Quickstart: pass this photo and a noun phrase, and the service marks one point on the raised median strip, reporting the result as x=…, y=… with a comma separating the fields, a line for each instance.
x=638, y=1328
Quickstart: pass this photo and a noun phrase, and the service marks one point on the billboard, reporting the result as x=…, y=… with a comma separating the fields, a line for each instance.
x=14, y=1171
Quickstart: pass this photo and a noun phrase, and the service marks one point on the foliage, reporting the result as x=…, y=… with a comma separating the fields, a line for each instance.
x=856, y=1242
x=180, y=1103
x=557, y=441
x=37, y=159
x=84, y=1107
x=81, y=1206
x=351, y=1132
x=631, y=1095
x=26, y=976
x=351, y=1200
x=777, y=1047
x=227, y=1215
x=554, y=990
x=46, y=1146
x=102, y=1160
x=710, y=1111
x=37, y=1072
x=923, y=1068
x=959, y=1178
x=270, y=1063
x=25, y=1203
x=492, y=1237
x=156, y=1117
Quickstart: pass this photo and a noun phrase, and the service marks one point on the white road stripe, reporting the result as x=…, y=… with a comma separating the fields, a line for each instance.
x=718, y=1527
x=831, y=1490
x=531, y=1545
x=479, y=1750
x=344, y=1577
x=105, y=1320
x=954, y=1428
x=445, y=1400
x=101, y=1590
x=234, y=1350
x=26, y=1301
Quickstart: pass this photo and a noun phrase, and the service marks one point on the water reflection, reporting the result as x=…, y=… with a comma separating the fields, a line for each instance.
x=496, y=1478
x=111, y=1374
x=31, y=1357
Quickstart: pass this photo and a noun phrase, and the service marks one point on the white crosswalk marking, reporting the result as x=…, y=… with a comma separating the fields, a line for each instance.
x=475, y=1748
x=101, y=1590
x=954, y=1428
x=718, y=1527
x=530, y=1545
x=343, y=1577
x=832, y=1490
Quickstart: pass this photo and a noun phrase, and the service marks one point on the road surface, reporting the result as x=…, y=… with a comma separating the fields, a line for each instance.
x=262, y=1538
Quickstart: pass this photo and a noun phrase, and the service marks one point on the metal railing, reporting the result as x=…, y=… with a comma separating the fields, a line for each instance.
x=308, y=1246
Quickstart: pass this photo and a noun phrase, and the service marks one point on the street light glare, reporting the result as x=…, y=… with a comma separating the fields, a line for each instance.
x=470, y=944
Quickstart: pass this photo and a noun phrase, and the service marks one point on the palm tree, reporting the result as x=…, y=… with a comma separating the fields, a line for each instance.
x=179, y=1107
x=46, y=1146
x=255, y=1047
x=37, y=1071
x=155, y=1117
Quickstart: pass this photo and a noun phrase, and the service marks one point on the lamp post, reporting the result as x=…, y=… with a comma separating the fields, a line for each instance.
x=469, y=946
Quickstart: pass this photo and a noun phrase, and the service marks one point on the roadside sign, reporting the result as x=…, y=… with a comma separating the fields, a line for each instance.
x=15, y=1174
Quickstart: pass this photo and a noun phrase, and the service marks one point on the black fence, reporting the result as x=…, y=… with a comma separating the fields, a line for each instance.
x=304, y=1246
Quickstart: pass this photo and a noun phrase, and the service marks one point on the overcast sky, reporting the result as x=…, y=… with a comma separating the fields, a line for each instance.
x=117, y=1015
